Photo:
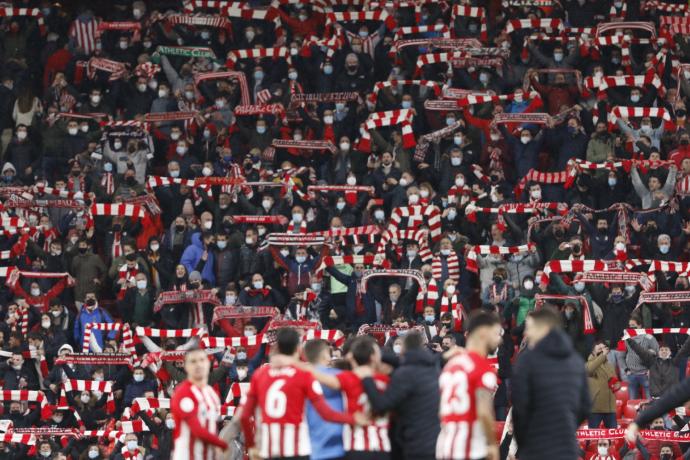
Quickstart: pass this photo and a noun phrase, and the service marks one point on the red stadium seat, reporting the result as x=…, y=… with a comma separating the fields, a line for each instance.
x=630, y=410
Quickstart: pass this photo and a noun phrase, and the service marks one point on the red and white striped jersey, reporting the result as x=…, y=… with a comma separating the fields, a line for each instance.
x=462, y=436
x=371, y=438
x=280, y=394
x=196, y=411
x=84, y=34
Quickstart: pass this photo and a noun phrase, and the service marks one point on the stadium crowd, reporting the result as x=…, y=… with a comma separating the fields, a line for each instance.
x=201, y=173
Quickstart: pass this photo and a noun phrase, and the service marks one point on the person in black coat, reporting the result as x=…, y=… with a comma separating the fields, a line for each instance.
x=413, y=394
x=549, y=391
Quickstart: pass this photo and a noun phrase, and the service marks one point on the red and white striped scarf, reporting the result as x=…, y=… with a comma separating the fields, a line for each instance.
x=300, y=228
x=574, y=266
x=88, y=385
x=452, y=263
x=451, y=304
x=558, y=177
x=472, y=12
x=550, y=25
x=417, y=216
x=471, y=259
x=204, y=20
x=257, y=53
x=358, y=16
x=116, y=249
x=6, y=11
x=241, y=78
x=615, y=15
x=638, y=112
x=378, y=86
x=375, y=120
x=108, y=183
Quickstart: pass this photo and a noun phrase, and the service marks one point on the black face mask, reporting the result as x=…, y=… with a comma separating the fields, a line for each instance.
x=577, y=247
x=90, y=302
x=83, y=250
x=75, y=173
x=117, y=227
x=180, y=228
x=681, y=113
x=558, y=233
x=131, y=181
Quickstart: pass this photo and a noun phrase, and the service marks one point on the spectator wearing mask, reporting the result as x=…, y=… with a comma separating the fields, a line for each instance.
x=633, y=366
x=602, y=384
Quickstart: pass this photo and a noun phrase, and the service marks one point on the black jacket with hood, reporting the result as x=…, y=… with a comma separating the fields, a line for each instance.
x=550, y=399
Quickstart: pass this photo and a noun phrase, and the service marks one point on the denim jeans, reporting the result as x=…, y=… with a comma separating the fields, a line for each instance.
x=608, y=418
x=635, y=381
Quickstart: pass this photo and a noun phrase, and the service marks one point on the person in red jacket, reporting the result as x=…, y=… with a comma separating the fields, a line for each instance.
x=306, y=24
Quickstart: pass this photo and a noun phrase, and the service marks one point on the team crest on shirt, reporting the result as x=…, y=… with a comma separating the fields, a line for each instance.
x=186, y=404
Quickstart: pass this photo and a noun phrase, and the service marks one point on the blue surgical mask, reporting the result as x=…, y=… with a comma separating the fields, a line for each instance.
x=406, y=104
x=260, y=129
x=328, y=69
x=258, y=75
x=612, y=181
x=429, y=318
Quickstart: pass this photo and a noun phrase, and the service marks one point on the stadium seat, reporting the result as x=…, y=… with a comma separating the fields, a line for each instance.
x=630, y=409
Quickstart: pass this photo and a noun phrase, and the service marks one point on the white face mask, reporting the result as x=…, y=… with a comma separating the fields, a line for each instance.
x=35, y=292
x=450, y=289
x=459, y=181
x=162, y=93
x=155, y=247
x=635, y=97
x=222, y=244
x=529, y=284
x=300, y=259
x=345, y=146
x=455, y=161
x=620, y=246
x=328, y=119
x=579, y=286
x=603, y=451
x=445, y=252
x=397, y=348
x=85, y=398
x=230, y=299
x=96, y=99
x=138, y=377
x=249, y=332
x=132, y=445
x=351, y=180
x=181, y=149
x=413, y=199
x=141, y=284
x=21, y=135
x=45, y=324
x=379, y=214
x=175, y=173
x=340, y=205
x=404, y=182
x=292, y=75
x=241, y=374
x=525, y=139
x=208, y=224
x=536, y=195
x=424, y=193
x=174, y=135
x=93, y=454
x=297, y=218
x=664, y=248
x=257, y=285
x=72, y=131
x=206, y=171
x=189, y=95
x=170, y=423
x=249, y=241
x=494, y=137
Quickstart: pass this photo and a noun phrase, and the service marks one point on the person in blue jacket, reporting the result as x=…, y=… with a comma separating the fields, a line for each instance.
x=326, y=438
x=91, y=312
x=199, y=257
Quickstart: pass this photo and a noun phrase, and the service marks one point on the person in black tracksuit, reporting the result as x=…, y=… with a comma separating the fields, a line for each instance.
x=413, y=393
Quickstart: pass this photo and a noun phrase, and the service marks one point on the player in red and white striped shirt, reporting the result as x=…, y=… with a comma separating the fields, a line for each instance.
x=371, y=441
x=467, y=385
x=196, y=408
x=279, y=391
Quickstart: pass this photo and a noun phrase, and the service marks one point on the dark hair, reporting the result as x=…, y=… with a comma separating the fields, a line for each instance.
x=313, y=348
x=362, y=349
x=187, y=353
x=413, y=341
x=481, y=318
x=288, y=339
x=547, y=316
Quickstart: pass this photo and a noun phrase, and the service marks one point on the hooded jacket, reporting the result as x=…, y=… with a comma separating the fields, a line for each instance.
x=550, y=399
x=413, y=394
x=191, y=259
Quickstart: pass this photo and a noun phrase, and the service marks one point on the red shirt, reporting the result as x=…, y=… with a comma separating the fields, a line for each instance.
x=280, y=394
x=371, y=438
x=461, y=434
x=196, y=411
